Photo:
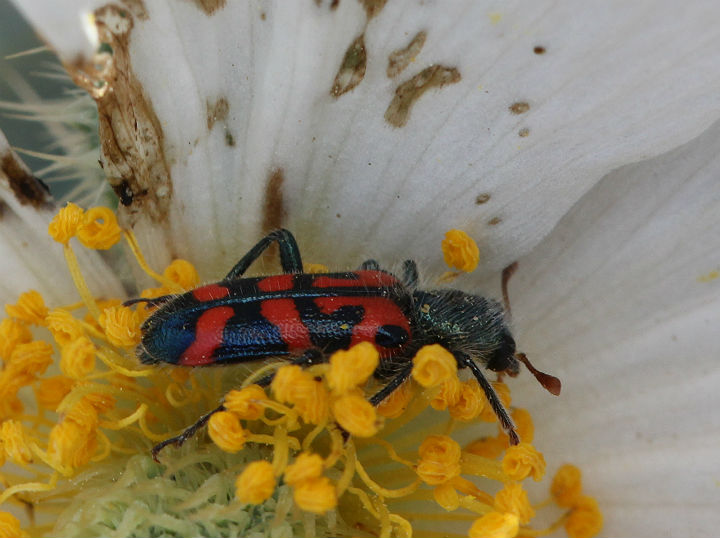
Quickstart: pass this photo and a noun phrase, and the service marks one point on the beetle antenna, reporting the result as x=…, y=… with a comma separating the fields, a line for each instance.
x=497, y=406
x=549, y=382
x=508, y=272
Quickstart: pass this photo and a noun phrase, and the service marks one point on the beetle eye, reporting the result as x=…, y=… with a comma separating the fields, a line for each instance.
x=390, y=336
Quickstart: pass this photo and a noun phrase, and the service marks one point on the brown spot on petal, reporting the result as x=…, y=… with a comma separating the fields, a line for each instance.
x=407, y=93
x=334, y=4
x=519, y=108
x=401, y=58
x=217, y=111
x=274, y=209
x=494, y=221
x=352, y=69
x=524, y=132
x=137, y=8
x=131, y=137
x=539, y=49
x=210, y=6
x=482, y=198
x=373, y=7
x=28, y=189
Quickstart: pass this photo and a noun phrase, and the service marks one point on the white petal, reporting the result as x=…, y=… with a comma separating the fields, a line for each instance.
x=622, y=302
x=252, y=139
x=29, y=258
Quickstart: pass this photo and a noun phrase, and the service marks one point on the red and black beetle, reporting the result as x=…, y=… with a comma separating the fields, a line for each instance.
x=306, y=317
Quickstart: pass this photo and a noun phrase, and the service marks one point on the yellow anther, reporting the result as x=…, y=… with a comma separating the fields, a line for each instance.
x=495, y=525
x=447, y=496
x=293, y=385
x=31, y=359
x=317, y=495
x=521, y=461
x=10, y=527
x=52, y=390
x=394, y=405
x=65, y=224
x=470, y=402
x=10, y=404
x=226, y=432
x=12, y=333
x=15, y=442
x=246, y=403
x=460, y=251
x=71, y=445
x=503, y=392
x=524, y=424
x=121, y=325
x=433, y=365
x=356, y=415
x=350, y=368
x=100, y=402
x=449, y=394
x=439, y=459
x=585, y=519
x=30, y=308
x=99, y=229
x=63, y=326
x=256, y=483
x=316, y=268
x=566, y=485
x=183, y=273
x=307, y=466
x=84, y=413
x=77, y=359
x=488, y=447
x=513, y=499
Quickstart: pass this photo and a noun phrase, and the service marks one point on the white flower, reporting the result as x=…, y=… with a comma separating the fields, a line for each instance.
x=222, y=120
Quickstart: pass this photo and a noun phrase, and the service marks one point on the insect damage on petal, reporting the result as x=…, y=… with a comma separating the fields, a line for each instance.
x=401, y=58
x=210, y=6
x=27, y=188
x=352, y=69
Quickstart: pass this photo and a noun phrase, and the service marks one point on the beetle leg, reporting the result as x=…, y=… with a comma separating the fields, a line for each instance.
x=391, y=386
x=497, y=406
x=289, y=254
x=410, y=274
x=178, y=440
x=508, y=272
x=154, y=301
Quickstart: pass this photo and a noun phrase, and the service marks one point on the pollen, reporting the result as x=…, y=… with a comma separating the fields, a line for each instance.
x=307, y=466
x=226, y=431
x=65, y=224
x=460, y=251
x=513, y=499
x=523, y=460
x=12, y=333
x=15, y=442
x=350, y=368
x=317, y=495
x=10, y=527
x=566, y=485
x=77, y=358
x=63, y=326
x=433, y=365
x=183, y=273
x=470, y=402
x=495, y=525
x=585, y=519
x=256, y=483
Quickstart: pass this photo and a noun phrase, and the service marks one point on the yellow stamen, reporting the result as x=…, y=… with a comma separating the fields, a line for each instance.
x=226, y=432
x=356, y=415
x=439, y=459
x=121, y=325
x=31, y=359
x=513, y=499
x=135, y=248
x=495, y=525
x=470, y=402
x=460, y=251
x=10, y=527
x=395, y=405
x=256, y=483
x=247, y=402
x=316, y=495
x=63, y=326
x=99, y=229
x=566, y=485
x=15, y=442
x=433, y=365
x=52, y=390
x=449, y=394
x=183, y=273
x=77, y=359
x=30, y=308
x=585, y=519
x=65, y=224
x=523, y=460
x=79, y=281
x=12, y=333
x=306, y=467
x=350, y=368
x=447, y=496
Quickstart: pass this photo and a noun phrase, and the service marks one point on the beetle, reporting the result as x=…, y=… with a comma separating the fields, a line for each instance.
x=303, y=318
